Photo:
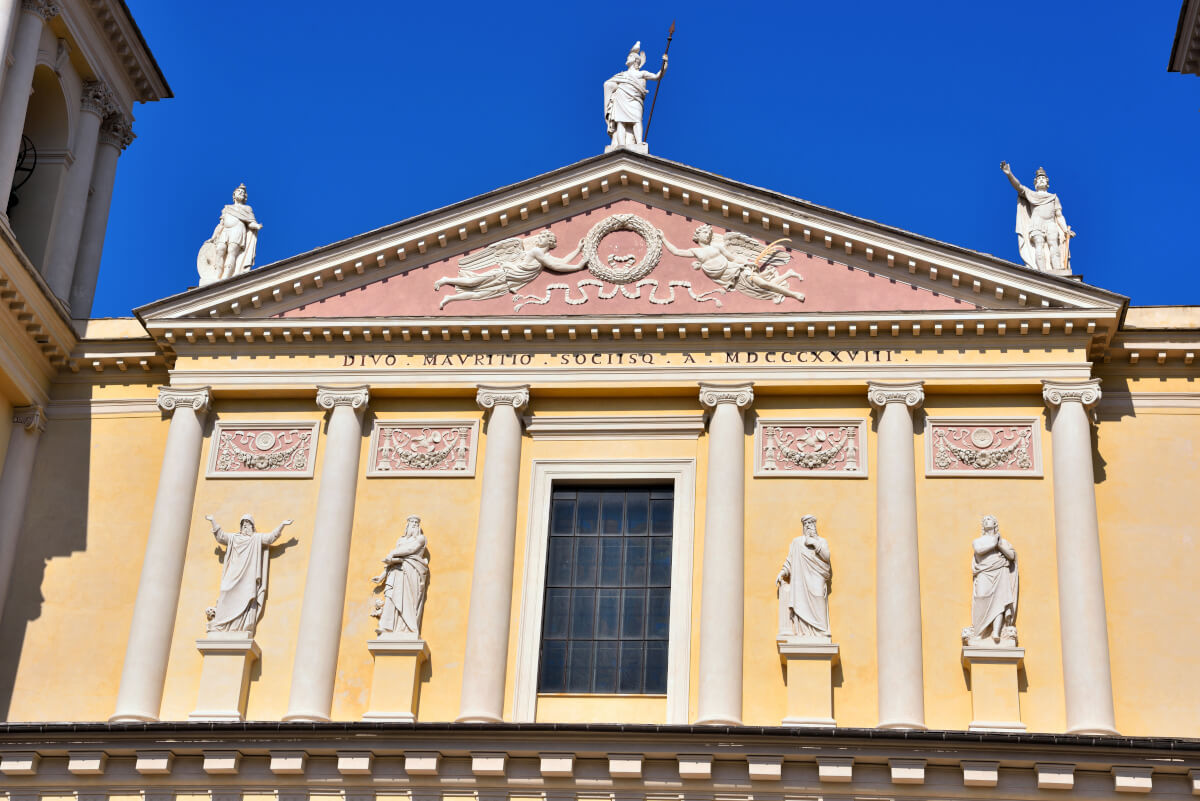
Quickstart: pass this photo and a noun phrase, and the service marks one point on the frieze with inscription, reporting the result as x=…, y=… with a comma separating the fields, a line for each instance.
x=826, y=448
x=415, y=448
x=263, y=450
x=622, y=358
x=983, y=447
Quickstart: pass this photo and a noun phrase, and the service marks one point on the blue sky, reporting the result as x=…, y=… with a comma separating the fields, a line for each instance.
x=344, y=118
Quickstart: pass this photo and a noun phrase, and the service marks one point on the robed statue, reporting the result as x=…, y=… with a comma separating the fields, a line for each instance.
x=243, y=576
x=803, y=586
x=625, y=98
x=405, y=580
x=1043, y=236
x=231, y=249
x=994, y=587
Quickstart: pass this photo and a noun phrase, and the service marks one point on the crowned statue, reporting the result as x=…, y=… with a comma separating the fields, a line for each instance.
x=404, y=581
x=625, y=99
x=231, y=249
x=244, y=575
x=1043, y=236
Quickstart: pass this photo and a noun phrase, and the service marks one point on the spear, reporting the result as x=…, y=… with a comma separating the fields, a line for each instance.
x=657, y=86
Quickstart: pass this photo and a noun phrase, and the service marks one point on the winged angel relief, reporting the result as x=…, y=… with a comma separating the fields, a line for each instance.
x=506, y=266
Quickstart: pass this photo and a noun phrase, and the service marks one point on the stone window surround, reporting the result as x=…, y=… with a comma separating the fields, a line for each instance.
x=544, y=472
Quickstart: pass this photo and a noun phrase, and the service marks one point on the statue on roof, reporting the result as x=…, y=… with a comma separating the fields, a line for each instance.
x=739, y=263
x=1043, y=236
x=625, y=98
x=507, y=266
x=230, y=250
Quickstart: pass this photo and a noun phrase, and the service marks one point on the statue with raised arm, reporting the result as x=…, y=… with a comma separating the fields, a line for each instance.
x=803, y=585
x=404, y=579
x=994, y=588
x=506, y=267
x=739, y=263
x=1043, y=236
x=231, y=249
x=243, y=576
x=625, y=98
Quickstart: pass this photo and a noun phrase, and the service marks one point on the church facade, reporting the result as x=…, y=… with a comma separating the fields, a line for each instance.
x=626, y=481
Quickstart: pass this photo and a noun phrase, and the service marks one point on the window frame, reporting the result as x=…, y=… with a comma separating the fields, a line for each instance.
x=680, y=474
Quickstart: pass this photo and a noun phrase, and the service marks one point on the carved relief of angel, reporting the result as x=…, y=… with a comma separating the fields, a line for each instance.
x=507, y=266
x=739, y=263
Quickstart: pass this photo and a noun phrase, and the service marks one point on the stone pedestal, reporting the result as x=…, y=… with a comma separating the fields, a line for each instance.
x=809, y=665
x=995, y=703
x=225, y=676
x=396, y=679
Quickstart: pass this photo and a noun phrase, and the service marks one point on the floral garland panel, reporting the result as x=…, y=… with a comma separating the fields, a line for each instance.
x=416, y=448
x=263, y=450
x=810, y=448
x=999, y=447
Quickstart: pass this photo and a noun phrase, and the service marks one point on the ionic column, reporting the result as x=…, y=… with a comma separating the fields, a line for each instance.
x=149, y=643
x=28, y=424
x=722, y=587
x=1087, y=678
x=69, y=211
x=486, y=659
x=897, y=573
x=115, y=136
x=18, y=83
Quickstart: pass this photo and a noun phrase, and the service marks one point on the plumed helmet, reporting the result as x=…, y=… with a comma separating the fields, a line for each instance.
x=635, y=52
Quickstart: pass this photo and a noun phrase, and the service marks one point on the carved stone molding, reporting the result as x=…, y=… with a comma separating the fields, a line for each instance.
x=354, y=397
x=31, y=418
x=46, y=9
x=116, y=131
x=98, y=99
x=263, y=450
x=993, y=447
x=1055, y=393
x=418, y=448
x=172, y=398
x=741, y=395
x=489, y=396
x=815, y=447
x=614, y=272
x=911, y=394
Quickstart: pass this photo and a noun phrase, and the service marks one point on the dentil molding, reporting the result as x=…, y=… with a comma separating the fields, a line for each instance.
x=1055, y=393
x=910, y=394
x=488, y=396
x=741, y=395
x=354, y=397
x=199, y=398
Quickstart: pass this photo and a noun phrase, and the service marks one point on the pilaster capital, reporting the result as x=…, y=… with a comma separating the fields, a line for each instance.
x=46, y=9
x=489, y=396
x=31, y=418
x=116, y=131
x=98, y=99
x=198, y=399
x=1056, y=393
x=911, y=394
x=740, y=395
x=354, y=397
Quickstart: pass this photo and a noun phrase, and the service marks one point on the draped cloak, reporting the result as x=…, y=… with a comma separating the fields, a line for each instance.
x=404, y=588
x=1047, y=222
x=241, y=234
x=994, y=590
x=625, y=97
x=243, y=580
x=806, y=594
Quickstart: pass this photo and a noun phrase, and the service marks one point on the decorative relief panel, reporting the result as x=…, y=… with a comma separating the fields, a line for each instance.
x=263, y=450
x=826, y=448
x=1004, y=447
x=413, y=448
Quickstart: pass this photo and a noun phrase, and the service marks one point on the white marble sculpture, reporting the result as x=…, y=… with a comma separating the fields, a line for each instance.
x=243, y=576
x=231, y=249
x=739, y=263
x=404, y=579
x=507, y=266
x=803, y=586
x=994, y=588
x=1043, y=236
x=625, y=98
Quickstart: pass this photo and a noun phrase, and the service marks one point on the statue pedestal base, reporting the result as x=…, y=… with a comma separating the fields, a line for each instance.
x=396, y=679
x=809, y=664
x=641, y=148
x=995, y=700
x=225, y=676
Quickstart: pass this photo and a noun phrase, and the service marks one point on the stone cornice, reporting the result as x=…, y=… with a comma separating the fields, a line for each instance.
x=1056, y=393
x=198, y=399
x=911, y=394
x=31, y=418
x=489, y=396
x=740, y=395
x=354, y=397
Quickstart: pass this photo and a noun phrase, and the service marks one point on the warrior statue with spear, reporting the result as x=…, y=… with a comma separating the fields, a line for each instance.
x=625, y=98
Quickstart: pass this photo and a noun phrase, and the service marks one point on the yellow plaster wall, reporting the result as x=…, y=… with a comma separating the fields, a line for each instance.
x=6, y=408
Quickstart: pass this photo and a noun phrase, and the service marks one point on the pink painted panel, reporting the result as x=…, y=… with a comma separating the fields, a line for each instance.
x=673, y=287
x=423, y=448
x=267, y=450
x=831, y=448
x=982, y=447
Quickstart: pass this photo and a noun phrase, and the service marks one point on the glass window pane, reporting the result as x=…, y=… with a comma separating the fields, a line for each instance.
x=612, y=513
x=608, y=614
x=589, y=512
x=660, y=562
x=635, y=562
x=656, y=667
x=637, y=512
x=554, y=661
x=630, y=679
x=658, y=615
x=605, y=670
x=562, y=516
x=558, y=607
x=633, y=614
x=610, y=561
x=661, y=512
x=558, y=563
x=579, y=667
x=583, y=611
x=585, y=562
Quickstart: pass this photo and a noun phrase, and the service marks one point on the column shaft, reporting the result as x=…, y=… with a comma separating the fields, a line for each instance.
x=722, y=588
x=153, y=625
x=897, y=571
x=114, y=137
x=315, y=668
x=28, y=423
x=486, y=659
x=9, y=15
x=14, y=100
x=1087, y=676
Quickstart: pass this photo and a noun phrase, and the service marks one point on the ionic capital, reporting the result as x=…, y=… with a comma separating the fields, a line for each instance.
x=31, y=418
x=740, y=395
x=98, y=99
x=198, y=399
x=46, y=9
x=354, y=397
x=116, y=131
x=1056, y=393
x=489, y=396
x=911, y=394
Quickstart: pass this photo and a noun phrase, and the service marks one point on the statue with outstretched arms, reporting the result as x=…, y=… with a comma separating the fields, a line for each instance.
x=243, y=575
